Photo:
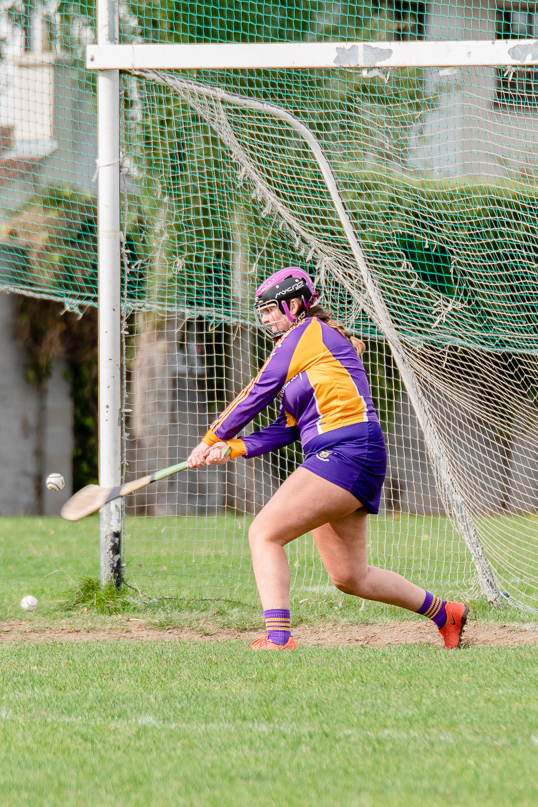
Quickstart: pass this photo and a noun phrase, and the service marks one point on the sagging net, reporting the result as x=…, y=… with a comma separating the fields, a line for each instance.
x=411, y=197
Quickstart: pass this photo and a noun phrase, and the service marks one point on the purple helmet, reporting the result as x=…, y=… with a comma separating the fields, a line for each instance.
x=283, y=286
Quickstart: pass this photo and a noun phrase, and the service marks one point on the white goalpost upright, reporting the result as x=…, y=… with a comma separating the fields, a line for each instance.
x=339, y=259
x=109, y=295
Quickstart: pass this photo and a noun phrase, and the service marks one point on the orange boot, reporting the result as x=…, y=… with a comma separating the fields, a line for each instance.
x=263, y=643
x=452, y=630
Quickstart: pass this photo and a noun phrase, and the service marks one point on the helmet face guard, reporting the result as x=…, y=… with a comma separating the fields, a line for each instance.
x=278, y=290
x=276, y=327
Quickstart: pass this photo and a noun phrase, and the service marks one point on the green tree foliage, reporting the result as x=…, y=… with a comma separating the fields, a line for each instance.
x=177, y=21
x=54, y=234
x=456, y=263
x=184, y=243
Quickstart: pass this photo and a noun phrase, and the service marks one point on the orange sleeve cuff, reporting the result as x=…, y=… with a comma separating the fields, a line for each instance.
x=238, y=447
x=210, y=438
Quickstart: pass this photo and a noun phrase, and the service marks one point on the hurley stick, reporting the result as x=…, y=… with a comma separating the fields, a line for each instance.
x=91, y=498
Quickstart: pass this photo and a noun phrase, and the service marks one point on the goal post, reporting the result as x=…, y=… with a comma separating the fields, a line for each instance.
x=109, y=297
x=285, y=141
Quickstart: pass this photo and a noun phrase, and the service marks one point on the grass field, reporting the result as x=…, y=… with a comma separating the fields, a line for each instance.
x=168, y=721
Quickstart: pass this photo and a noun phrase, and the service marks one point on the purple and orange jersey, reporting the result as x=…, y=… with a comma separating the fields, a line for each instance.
x=322, y=385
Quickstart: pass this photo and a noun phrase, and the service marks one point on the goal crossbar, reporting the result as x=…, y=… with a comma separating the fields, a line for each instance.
x=517, y=53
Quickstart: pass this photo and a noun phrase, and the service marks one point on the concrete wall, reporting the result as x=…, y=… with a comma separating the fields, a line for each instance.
x=59, y=440
x=524, y=473
x=410, y=483
x=171, y=412
x=36, y=429
x=18, y=407
x=168, y=418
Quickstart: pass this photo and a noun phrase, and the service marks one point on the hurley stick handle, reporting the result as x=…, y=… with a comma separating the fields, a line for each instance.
x=173, y=469
x=143, y=481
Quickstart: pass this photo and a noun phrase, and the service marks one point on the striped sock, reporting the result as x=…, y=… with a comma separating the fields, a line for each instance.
x=433, y=608
x=278, y=625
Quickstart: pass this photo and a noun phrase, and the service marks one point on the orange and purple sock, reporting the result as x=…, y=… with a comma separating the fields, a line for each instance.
x=278, y=625
x=433, y=608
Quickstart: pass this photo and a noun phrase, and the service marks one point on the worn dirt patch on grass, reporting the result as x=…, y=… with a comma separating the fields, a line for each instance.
x=387, y=634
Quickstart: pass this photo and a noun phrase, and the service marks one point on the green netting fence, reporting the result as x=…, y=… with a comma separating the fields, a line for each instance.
x=438, y=171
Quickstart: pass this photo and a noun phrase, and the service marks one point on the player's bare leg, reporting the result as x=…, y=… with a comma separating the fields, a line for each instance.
x=342, y=545
x=302, y=503
x=309, y=503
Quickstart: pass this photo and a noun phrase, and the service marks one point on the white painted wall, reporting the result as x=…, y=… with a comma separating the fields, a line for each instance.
x=49, y=105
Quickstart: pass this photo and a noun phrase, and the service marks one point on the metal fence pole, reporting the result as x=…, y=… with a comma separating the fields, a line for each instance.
x=108, y=96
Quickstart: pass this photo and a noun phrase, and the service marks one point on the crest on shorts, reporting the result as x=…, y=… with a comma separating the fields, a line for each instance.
x=324, y=455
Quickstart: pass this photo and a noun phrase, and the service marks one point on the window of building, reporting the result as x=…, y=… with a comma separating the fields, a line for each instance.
x=517, y=89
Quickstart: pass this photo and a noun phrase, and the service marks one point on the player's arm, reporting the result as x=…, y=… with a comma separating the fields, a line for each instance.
x=257, y=395
x=281, y=432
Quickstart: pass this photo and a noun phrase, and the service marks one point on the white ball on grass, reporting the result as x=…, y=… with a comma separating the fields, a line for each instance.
x=29, y=603
x=55, y=482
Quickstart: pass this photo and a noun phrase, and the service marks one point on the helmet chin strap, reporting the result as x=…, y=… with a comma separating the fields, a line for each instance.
x=286, y=311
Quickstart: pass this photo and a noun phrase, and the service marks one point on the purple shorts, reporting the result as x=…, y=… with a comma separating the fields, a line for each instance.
x=354, y=458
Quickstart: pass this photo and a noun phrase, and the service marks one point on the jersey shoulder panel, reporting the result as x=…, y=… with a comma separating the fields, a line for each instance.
x=308, y=348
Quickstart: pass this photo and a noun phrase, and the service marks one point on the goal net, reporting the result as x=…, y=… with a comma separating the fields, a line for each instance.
x=410, y=195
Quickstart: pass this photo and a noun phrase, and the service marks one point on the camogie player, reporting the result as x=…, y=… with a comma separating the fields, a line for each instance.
x=316, y=371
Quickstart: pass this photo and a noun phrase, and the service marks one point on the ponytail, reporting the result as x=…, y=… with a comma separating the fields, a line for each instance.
x=326, y=317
